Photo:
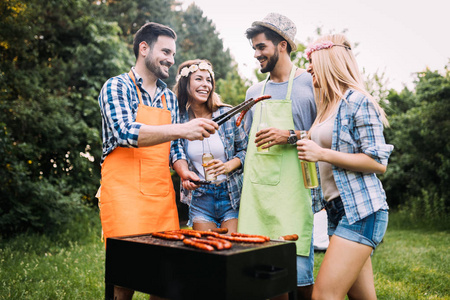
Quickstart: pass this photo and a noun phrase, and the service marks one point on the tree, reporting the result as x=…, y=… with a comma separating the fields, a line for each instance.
x=198, y=38
x=419, y=168
x=54, y=57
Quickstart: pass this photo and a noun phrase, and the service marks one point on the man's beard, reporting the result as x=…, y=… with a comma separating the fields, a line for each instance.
x=271, y=63
x=153, y=67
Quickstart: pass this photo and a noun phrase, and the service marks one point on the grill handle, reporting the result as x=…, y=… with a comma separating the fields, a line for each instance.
x=270, y=272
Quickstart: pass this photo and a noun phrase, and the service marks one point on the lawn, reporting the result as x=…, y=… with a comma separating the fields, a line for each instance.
x=409, y=264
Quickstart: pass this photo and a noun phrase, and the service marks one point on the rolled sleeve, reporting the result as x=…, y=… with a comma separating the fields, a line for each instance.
x=369, y=129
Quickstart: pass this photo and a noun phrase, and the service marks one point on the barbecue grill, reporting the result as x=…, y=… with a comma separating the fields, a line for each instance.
x=173, y=270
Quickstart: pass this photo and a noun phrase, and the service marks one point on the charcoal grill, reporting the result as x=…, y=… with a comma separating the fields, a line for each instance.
x=173, y=270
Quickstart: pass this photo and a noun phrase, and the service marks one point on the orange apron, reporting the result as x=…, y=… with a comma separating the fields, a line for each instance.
x=137, y=194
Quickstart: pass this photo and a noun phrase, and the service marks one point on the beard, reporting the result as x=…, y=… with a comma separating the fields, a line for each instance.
x=155, y=68
x=271, y=63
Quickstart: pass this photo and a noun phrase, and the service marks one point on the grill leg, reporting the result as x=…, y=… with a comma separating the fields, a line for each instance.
x=109, y=291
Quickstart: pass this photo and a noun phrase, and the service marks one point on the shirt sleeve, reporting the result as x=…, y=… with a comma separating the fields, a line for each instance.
x=118, y=112
x=369, y=127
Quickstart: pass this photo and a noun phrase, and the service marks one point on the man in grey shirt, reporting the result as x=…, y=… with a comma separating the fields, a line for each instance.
x=274, y=201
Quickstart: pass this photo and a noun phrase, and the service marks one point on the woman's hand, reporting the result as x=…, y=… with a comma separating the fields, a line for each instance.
x=216, y=167
x=309, y=150
x=358, y=162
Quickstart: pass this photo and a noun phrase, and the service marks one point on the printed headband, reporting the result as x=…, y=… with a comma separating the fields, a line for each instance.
x=321, y=46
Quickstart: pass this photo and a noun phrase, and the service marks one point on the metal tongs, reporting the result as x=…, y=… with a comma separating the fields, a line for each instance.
x=243, y=108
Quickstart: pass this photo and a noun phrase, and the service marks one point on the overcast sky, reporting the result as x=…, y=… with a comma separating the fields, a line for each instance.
x=398, y=37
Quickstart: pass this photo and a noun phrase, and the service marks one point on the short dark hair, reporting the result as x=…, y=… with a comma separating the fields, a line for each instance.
x=149, y=33
x=271, y=35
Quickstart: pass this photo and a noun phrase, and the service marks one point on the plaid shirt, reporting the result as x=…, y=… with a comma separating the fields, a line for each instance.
x=234, y=141
x=357, y=129
x=119, y=101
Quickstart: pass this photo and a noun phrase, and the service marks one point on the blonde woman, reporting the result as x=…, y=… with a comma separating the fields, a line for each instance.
x=347, y=142
x=216, y=203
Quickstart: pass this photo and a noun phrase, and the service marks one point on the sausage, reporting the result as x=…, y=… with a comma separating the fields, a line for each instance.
x=216, y=244
x=250, y=235
x=243, y=239
x=185, y=232
x=226, y=244
x=289, y=237
x=198, y=245
x=241, y=116
x=206, y=233
x=168, y=236
x=220, y=230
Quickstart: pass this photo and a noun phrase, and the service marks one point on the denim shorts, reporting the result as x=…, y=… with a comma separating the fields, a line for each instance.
x=368, y=231
x=211, y=203
x=305, y=267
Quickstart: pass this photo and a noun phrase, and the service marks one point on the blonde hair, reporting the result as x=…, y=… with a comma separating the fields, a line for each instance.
x=336, y=70
x=181, y=88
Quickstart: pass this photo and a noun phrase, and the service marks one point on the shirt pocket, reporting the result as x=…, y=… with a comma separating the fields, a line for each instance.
x=346, y=138
x=266, y=169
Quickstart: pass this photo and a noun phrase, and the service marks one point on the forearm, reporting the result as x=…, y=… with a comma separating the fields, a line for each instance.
x=232, y=165
x=181, y=167
x=150, y=135
x=358, y=162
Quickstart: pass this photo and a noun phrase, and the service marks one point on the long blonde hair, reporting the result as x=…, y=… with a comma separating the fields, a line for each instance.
x=336, y=70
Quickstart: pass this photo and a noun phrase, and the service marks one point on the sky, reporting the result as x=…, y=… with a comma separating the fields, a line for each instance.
x=397, y=37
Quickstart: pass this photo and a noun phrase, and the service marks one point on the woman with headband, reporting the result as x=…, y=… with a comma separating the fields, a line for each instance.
x=214, y=199
x=347, y=141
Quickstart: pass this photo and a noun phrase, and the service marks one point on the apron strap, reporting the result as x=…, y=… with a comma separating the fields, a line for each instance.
x=163, y=97
x=290, y=83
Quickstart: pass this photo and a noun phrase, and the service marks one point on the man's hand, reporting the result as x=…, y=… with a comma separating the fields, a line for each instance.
x=198, y=129
x=271, y=136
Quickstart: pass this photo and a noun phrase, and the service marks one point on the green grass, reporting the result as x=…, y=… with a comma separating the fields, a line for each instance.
x=409, y=264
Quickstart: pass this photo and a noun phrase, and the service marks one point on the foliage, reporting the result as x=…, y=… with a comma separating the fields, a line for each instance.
x=418, y=173
x=198, y=38
x=232, y=89
x=54, y=57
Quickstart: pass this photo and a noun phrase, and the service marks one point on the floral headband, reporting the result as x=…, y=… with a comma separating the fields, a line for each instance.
x=193, y=68
x=320, y=46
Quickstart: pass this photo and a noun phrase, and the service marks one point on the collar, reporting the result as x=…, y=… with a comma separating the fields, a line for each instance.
x=159, y=83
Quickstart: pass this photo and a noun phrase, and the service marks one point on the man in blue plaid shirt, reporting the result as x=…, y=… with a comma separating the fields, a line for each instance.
x=141, y=132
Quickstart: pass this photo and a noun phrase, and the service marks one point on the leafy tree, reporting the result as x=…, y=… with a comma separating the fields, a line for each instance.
x=198, y=38
x=419, y=168
x=54, y=57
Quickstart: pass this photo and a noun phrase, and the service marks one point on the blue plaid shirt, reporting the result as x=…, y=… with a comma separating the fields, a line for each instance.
x=119, y=101
x=234, y=141
x=357, y=129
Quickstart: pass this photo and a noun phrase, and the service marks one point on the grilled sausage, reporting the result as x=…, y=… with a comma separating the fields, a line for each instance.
x=206, y=233
x=168, y=236
x=250, y=235
x=198, y=245
x=290, y=237
x=188, y=232
x=243, y=239
x=216, y=244
x=220, y=230
x=226, y=244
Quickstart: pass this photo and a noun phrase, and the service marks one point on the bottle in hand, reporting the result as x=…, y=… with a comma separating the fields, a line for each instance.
x=309, y=171
x=206, y=158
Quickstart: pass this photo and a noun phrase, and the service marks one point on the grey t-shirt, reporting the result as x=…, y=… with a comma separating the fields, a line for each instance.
x=302, y=96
